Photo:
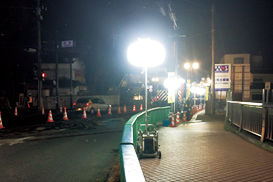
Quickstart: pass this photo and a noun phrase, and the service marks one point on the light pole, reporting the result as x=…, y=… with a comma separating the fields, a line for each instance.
x=146, y=53
x=189, y=67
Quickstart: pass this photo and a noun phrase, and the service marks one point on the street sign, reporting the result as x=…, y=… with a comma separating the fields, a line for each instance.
x=67, y=43
x=222, y=77
x=267, y=85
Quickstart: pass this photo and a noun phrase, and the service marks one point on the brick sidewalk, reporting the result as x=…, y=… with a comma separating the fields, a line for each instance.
x=204, y=151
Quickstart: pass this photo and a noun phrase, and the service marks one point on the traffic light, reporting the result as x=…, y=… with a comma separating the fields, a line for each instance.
x=43, y=76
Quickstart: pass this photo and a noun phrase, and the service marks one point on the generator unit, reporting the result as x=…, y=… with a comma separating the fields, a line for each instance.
x=147, y=142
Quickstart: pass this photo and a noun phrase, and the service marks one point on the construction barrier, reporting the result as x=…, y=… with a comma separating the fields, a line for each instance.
x=84, y=114
x=141, y=108
x=15, y=112
x=172, y=122
x=178, y=118
x=184, y=116
x=1, y=124
x=109, y=111
x=43, y=111
x=98, y=113
x=119, y=112
x=65, y=118
x=124, y=109
x=50, y=118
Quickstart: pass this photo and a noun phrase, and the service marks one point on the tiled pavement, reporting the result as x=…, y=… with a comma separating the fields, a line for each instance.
x=204, y=151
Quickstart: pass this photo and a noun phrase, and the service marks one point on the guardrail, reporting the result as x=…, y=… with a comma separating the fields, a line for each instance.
x=130, y=169
x=256, y=118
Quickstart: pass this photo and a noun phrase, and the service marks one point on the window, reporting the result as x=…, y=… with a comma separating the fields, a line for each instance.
x=82, y=101
x=95, y=101
x=257, y=97
x=101, y=101
x=257, y=80
x=238, y=60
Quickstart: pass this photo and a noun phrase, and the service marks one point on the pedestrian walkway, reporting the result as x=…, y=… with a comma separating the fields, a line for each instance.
x=204, y=151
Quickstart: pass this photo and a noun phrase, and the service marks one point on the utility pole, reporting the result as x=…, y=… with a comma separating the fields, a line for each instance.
x=212, y=63
x=57, y=70
x=39, y=59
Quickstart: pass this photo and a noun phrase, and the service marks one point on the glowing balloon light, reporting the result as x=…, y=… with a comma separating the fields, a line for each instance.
x=146, y=53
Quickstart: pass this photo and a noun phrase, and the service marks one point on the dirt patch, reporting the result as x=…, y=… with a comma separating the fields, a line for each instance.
x=114, y=175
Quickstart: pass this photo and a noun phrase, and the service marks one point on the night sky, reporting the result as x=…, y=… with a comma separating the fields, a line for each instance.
x=104, y=29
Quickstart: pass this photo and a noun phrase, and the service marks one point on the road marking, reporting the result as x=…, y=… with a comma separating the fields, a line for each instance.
x=15, y=141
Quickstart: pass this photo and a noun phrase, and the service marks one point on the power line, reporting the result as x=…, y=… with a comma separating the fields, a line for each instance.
x=198, y=35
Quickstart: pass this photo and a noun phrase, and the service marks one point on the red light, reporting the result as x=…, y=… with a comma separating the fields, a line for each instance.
x=74, y=104
x=43, y=75
x=87, y=104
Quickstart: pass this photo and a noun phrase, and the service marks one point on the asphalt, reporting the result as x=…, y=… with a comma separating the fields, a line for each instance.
x=209, y=149
x=35, y=127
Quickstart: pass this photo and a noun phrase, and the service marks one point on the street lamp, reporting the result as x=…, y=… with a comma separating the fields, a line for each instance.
x=146, y=53
x=189, y=67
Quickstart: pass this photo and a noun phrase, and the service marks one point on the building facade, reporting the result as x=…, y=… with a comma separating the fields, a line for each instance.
x=248, y=76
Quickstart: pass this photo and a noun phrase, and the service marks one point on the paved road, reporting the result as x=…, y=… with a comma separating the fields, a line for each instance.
x=62, y=154
x=204, y=151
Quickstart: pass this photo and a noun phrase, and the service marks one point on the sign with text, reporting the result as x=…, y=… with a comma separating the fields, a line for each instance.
x=67, y=43
x=222, y=77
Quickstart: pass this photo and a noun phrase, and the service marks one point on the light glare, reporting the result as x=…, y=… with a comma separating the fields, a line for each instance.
x=146, y=53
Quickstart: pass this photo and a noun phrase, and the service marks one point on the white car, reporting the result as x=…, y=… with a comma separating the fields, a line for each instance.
x=91, y=105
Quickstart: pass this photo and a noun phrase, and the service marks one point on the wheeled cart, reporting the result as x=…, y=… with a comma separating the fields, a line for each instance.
x=147, y=142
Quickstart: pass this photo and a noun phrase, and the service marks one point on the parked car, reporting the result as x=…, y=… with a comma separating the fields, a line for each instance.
x=91, y=105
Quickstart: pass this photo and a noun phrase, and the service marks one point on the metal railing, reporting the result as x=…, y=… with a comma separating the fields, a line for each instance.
x=256, y=118
x=130, y=169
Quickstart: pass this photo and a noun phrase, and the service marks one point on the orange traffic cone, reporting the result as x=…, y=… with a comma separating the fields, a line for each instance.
x=134, y=108
x=119, y=112
x=200, y=107
x=172, y=122
x=141, y=108
x=109, y=111
x=50, y=119
x=184, y=116
x=178, y=118
x=65, y=118
x=98, y=113
x=43, y=110
x=84, y=114
x=61, y=109
x=124, y=110
x=204, y=107
x=15, y=112
x=1, y=124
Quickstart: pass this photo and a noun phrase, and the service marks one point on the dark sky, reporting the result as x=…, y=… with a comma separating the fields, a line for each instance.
x=106, y=28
